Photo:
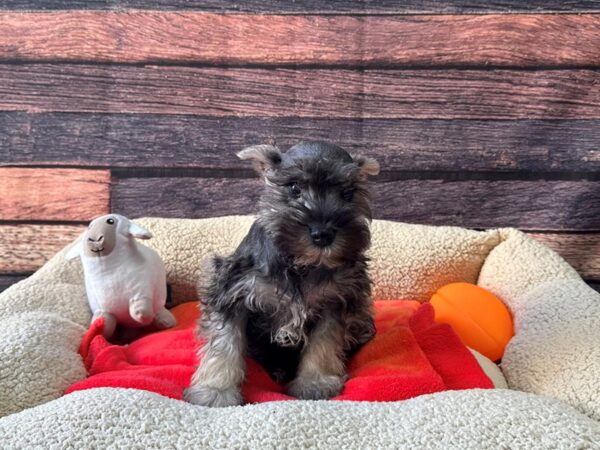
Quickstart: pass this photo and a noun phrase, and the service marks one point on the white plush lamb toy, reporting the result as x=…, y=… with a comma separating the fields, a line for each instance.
x=124, y=280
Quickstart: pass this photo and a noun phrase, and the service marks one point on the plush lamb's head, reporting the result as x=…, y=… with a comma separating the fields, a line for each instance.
x=104, y=234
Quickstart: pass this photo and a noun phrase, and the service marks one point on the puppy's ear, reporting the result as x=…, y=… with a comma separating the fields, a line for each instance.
x=263, y=157
x=368, y=166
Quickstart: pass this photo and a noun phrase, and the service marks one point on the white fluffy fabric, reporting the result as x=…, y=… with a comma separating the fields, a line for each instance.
x=554, y=356
x=474, y=419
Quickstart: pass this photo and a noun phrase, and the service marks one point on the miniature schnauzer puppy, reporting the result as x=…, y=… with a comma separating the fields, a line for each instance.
x=295, y=295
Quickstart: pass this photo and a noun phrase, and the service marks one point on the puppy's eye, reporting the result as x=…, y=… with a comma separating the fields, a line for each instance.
x=110, y=221
x=295, y=190
x=348, y=195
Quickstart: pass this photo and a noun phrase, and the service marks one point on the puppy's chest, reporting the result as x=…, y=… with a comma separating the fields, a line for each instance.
x=287, y=313
x=322, y=295
x=310, y=293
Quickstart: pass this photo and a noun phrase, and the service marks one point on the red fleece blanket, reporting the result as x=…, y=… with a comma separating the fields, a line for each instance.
x=409, y=356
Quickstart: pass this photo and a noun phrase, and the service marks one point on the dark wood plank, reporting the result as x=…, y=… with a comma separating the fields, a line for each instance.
x=149, y=37
x=184, y=141
x=582, y=251
x=538, y=205
x=26, y=247
x=220, y=92
x=53, y=194
x=8, y=280
x=594, y=285
x=184, y=197
x=316, y=6
x=551, y=205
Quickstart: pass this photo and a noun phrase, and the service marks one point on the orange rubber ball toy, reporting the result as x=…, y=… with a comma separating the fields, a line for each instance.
x=479, y=318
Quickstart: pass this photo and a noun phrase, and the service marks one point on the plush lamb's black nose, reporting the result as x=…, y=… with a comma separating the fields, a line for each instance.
x=321, y=236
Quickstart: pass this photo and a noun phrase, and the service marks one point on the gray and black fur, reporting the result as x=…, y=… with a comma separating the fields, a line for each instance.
x=295, y=295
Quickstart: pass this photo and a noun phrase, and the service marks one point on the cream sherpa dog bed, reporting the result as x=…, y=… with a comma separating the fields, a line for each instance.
x=552, y=365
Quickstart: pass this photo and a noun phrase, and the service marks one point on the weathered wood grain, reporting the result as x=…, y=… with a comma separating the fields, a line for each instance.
x=7, y=281
x=582, y=251
x=150, y=37
x=25, y=248
x=537, y=205
x=551, y=205
x=323, y=93
x=316, y=6
x=184, y=197
x=53, y=194
x=184, y=141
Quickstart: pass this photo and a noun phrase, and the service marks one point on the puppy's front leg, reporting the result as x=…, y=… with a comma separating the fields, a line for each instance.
x=219, y=376
x=321, y=373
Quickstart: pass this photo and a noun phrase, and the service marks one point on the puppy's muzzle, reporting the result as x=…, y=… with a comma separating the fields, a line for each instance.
x=322, y=236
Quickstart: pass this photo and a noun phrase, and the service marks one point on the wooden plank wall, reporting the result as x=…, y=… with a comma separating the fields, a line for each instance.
x=482, y=113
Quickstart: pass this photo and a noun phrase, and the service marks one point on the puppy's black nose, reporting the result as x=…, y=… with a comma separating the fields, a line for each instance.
x=321, y=236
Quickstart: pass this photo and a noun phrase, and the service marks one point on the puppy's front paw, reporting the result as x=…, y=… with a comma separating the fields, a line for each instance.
x=318, y=387
x=209, y=396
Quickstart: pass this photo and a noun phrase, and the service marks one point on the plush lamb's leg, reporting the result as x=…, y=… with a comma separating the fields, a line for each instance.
x=110, y=323
x=140, y=310
x=164, y=319
x=219, y=376
x=321, y=373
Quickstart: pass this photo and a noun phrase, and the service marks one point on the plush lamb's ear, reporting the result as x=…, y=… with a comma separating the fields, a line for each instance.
x=264, y=157
x=368, y=166
x=75, y=250
x=138, y=232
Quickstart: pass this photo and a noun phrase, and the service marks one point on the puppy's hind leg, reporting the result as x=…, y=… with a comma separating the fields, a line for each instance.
x=218, y=378
x=321, y=373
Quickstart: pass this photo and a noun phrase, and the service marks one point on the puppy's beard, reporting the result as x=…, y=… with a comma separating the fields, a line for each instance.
x=329, y=256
